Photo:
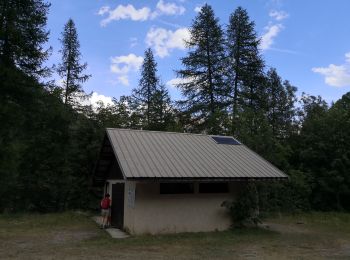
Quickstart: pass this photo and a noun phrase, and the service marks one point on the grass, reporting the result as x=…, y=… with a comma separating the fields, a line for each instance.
x=72, y=235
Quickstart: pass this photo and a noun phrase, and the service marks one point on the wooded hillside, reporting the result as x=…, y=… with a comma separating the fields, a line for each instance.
x=49, y=140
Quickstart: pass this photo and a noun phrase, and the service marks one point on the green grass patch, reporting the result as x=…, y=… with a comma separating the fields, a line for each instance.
x=74, y=235
x=335, y=221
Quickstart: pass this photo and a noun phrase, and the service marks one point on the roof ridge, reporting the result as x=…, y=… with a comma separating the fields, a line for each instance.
x=165, y=132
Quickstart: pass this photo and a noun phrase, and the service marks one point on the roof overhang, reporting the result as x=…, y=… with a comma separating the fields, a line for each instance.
x=106, y=157
x=237, y=179
x=166, y=157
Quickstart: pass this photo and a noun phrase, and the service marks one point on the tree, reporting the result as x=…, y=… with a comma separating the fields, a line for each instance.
x=338, y=123
x=323, y=151
x=203, y=74
x=142, y=96
x=161, y=113
x=22, y=34
x=244, y=67
x=71, y=70
x=117, y=115
x=310, y=145
x=151, y=100
x=245, y=209
x=280, y=105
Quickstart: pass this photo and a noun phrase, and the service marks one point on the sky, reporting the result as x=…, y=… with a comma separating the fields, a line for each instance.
x=308, y=42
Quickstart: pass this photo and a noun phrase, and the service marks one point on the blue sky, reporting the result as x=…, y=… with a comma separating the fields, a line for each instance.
x=308, y=42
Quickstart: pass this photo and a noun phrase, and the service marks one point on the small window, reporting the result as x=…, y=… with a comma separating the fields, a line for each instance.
x=176, y=188
x=214, y=187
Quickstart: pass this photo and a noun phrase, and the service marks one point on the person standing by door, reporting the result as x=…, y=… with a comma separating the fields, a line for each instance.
x=105, y=208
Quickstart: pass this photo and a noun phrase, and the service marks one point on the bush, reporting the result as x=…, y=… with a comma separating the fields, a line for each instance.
x=245, y=209
x=285, y=196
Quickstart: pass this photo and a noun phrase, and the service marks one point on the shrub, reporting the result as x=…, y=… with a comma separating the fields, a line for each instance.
x=245, y=209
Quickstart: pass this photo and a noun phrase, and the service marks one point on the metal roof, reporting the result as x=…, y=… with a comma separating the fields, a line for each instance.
x=151, y=154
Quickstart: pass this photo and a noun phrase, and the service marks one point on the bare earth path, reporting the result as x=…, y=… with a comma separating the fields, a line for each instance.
x=76, y=236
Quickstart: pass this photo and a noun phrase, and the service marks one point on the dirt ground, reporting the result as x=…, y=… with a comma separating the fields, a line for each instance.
x=74, y=235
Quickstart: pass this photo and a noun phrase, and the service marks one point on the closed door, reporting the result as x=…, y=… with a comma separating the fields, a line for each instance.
x=117, y=205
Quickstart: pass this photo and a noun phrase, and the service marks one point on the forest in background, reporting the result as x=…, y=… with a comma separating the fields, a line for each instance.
x=50, y=139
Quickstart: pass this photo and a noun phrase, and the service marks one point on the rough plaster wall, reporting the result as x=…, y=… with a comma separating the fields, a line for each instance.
x=171, y=213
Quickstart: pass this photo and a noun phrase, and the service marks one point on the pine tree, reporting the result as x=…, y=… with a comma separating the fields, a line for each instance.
x=22, y=35
x=71, y=70
x=151, y=99
x=22, y=54
x=142, y=96
x=279, y=113
x=245, y=67
x=161, y=115
x=203, y=72
x=281, y=99
x=311, y=145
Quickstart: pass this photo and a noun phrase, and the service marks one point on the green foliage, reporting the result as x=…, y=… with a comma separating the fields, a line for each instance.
x=42, y=164
x=150, y=102
x=161, y=113
x=20, y=93
x=23, y=34
x=203, y=85
x=324, y=151
x=288, y=196
x=48, y=148
x=244, y=71
x=70, y=69
x=245, y=209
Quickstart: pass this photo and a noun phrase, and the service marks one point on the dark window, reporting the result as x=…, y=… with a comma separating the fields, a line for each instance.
x=176, y=188
x=214, y=187
x=225, y=140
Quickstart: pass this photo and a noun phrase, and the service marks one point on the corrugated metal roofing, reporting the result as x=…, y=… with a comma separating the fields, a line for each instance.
x=151, y=154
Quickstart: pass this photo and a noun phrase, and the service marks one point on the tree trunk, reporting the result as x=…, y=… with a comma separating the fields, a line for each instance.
x=235, y=94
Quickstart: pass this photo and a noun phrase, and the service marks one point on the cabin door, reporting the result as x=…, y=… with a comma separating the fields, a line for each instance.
x=117, y=211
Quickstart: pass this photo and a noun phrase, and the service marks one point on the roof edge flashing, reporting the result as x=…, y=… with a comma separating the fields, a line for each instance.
x=115, y=154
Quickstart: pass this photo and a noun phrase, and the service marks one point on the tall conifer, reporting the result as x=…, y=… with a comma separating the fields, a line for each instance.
x=245, y=66
x=281, y=99
x=142, y=96
x=70, y=69
x=22, y=35
x=151, y=99
x=203, y=73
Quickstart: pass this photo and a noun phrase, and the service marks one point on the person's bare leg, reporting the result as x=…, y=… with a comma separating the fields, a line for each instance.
x=109, y=219
x=102, y=220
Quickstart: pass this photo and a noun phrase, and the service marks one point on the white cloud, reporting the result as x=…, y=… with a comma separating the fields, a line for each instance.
x=163, y=41
x=103, y=10
x=198, y=8
x=347, y=57
x=122, y=65
x=133, y=42
x=175, y=81
x=168, y=9
x=124, y=12
x=278, y=15
x=271, y=32
x=336, y=75
x=129, y=12
x=96, y=98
